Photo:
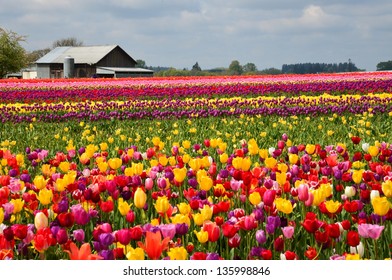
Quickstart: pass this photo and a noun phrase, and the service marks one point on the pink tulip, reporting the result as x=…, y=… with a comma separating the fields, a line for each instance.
x=303, y=192
x=370, y=231
x=288, y=232
x=269, y=197
x=149, y=184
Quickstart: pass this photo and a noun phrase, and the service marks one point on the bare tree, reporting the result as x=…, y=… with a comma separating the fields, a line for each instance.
x=67, y=42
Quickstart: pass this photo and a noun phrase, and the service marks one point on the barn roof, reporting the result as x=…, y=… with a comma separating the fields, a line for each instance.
x=82, y=55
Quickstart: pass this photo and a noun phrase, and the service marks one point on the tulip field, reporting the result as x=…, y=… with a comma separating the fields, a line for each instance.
x=285, y=167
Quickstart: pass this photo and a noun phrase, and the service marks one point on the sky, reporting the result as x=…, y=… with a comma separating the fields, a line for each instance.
x=179, y=33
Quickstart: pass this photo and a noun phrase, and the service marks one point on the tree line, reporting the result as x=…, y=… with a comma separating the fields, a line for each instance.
x=313, y=68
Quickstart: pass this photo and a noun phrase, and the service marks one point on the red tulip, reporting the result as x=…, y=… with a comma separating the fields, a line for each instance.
x=229, y=230
x=20, y=231
x=310, y=225
x=123, y=236
x=43, y=239
x=321, y=236
x=136, y=233
x=311, y=253
x=279, y=244
x=353, y=238
x=234, y=241
x=154, y=245
x=84, y=253
x=212, y=229
x=66, y=219
x=266, y=254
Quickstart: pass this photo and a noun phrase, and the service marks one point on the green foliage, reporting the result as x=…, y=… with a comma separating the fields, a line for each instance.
x=313, y=68
x=12, y=55
x=235, y=68
x=385, y=65
x=141, y=63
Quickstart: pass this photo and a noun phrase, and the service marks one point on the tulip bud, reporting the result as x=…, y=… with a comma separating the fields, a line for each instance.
x=140, y=198
x=40, y=221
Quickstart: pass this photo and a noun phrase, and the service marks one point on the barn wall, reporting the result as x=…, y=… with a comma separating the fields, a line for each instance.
x=117, y=58
x=43, y=71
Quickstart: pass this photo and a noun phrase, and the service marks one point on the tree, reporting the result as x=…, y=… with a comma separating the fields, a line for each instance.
x=37, y=54
x=384, y=65
x=196, y=67
x=12, y=54
x=249, y=68
x=141, y=63
x=67, y=42
x=235, y=68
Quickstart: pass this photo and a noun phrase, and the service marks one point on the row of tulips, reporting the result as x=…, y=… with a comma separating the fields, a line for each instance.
x=125, y=89
x=198, y=201
x=166, y=109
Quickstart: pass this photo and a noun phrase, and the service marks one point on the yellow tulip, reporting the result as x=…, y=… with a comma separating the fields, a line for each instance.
x=162, y=204
x=195, y=164
x=332, y=206
x=352, y=257
x=255, y=198
x=70, y=177
x=202, y=236
x=103, y=146
x=115, y=163
x=222, y=146
x=172, y=161
x=84, y=158
x=184, y=208
x=357, y=176
x=206, y=212
x=103, y=166
x=47, y=170
x=310, y=149
x=387, y=188
x=223, y=158
x=178, y=253
x=281, y=178
x=186, y=158
x=135, y=254
x=140, y=198
x=253, y=148
x=123, y=206
x=181, y=219
x=179, y=174
x=45, y=196
x=64, y=166
x=205, y=183
x=60, y=185
x=373, y=151
x=283, y=205
x=380, y=205
x=205, y=162
x=39, y=182
x=186, y=144
x=163, y=160
x=137, y=168
x=198, y=219
x=263, y=153
x=1, y=215
x=18, y=205
x=293, y=158
x=270, y=162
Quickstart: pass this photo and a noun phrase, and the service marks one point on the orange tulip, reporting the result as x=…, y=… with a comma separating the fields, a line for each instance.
x=154, y=245
x=84, y=253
